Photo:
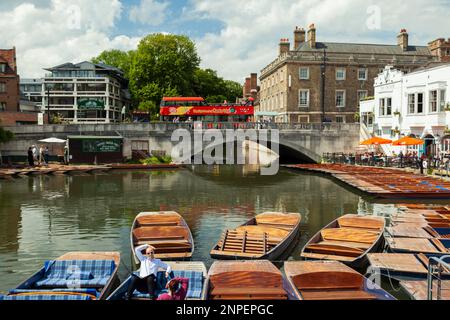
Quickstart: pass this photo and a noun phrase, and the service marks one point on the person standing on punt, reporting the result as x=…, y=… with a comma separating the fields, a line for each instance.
x=148, y=271
x=178, y=288
x=30, y=157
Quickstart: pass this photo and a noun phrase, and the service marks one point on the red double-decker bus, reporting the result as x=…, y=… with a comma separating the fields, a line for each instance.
x=197, y=109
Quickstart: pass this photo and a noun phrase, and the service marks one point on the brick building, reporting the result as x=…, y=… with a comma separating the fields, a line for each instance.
x=10, y=112
x=324, y=81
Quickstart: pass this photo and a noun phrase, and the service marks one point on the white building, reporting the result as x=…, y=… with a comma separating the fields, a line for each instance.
x=416, y=104
x=85, y=93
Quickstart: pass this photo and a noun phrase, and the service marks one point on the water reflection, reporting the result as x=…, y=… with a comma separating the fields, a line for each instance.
x=46, y=216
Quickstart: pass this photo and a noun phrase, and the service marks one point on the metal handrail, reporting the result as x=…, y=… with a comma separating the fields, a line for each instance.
x=436, y=265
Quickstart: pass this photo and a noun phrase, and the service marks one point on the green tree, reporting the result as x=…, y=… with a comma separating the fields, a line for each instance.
x=116, y=58
x=163, y=64
x=232, y=90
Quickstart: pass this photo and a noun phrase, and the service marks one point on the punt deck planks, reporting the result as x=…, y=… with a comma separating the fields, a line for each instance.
x=419, y=289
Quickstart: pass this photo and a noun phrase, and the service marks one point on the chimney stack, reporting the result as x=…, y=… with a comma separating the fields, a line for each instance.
x=312, y=36
x=247, y=87
x=299, y=37
x=284, y=46
x=402, y=39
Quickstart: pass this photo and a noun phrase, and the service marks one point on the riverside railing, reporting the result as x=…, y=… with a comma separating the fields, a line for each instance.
x=171, y=126
x=436, y=267
x=440, y=164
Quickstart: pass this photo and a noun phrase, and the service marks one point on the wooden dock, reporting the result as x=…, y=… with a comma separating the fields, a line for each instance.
x=383, y=182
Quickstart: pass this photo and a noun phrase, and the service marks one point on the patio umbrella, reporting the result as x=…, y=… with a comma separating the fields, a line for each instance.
x=408, y=141
x=375, y=141
x=52, y=140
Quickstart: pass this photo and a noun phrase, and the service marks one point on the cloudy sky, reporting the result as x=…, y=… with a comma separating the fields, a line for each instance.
x=232, y=36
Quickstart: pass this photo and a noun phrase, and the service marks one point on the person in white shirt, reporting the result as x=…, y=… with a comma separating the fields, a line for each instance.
x=148, y=271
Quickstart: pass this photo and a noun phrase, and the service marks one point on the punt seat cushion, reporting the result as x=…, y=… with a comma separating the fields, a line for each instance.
x=79, y=273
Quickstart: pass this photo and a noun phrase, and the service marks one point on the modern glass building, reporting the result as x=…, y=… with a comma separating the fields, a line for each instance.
x=85, y=93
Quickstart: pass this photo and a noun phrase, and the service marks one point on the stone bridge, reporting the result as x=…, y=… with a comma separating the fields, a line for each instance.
x=297, y=142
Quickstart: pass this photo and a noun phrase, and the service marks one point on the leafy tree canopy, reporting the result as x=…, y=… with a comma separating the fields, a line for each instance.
x=168, y=65
x=116, y=58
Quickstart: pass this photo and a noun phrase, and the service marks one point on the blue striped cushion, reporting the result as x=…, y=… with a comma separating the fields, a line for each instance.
x=65, y=273
x=87, y=291
x=195, y=283
x=46, y=297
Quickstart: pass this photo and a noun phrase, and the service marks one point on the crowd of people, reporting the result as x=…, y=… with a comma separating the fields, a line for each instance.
x=409, y=159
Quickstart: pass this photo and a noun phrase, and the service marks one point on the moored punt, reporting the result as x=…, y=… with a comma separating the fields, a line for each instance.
x=331, y=280
x=406, y=230
x=266, y=236
x=422, y=207
x=347, y=239
x=402, y=266
x=195, y=271
x=73, y=276
x=166, y=231
x=418, y=290
x=385, y=183
x=247, y=280
x=418, y=245
x=125, y=166
x=420, y=221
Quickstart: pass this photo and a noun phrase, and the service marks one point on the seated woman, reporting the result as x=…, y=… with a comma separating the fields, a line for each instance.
x=177, y=288
x=148, y=271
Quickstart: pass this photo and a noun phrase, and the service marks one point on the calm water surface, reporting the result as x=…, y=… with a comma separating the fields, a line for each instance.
x=44, y=217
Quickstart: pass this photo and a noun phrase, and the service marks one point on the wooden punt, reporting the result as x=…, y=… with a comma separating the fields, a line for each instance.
x=179, y=268
x=31, y=286
x=266, y=236
x=347, y=239
x=247, y=280
x=331, y=280
x=418, y=245
x=402, y=266
x=422, y=206
x=418, y=290
x=406, y=230
x=166, y=231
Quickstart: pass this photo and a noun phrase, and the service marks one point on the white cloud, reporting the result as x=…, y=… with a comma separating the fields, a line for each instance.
x=45, y=37
x=149, y=12
x=249, y=40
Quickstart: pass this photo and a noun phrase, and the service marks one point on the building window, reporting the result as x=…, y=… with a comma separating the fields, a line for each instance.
x=362, y=94
x=411, y=103
x=340, y=74
x=340, y=119
x=303, y=119
x=382, y=107
x=303, y=98
x=2, y=106
x=442, y=101
x=2, y=68
x=304, y=73
x=420, y=103
x=389, y=106
x=362, y=74
x=433, y=101
x=340, y=98
x=415, y=103
x=2, y=87
x=59, y=87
